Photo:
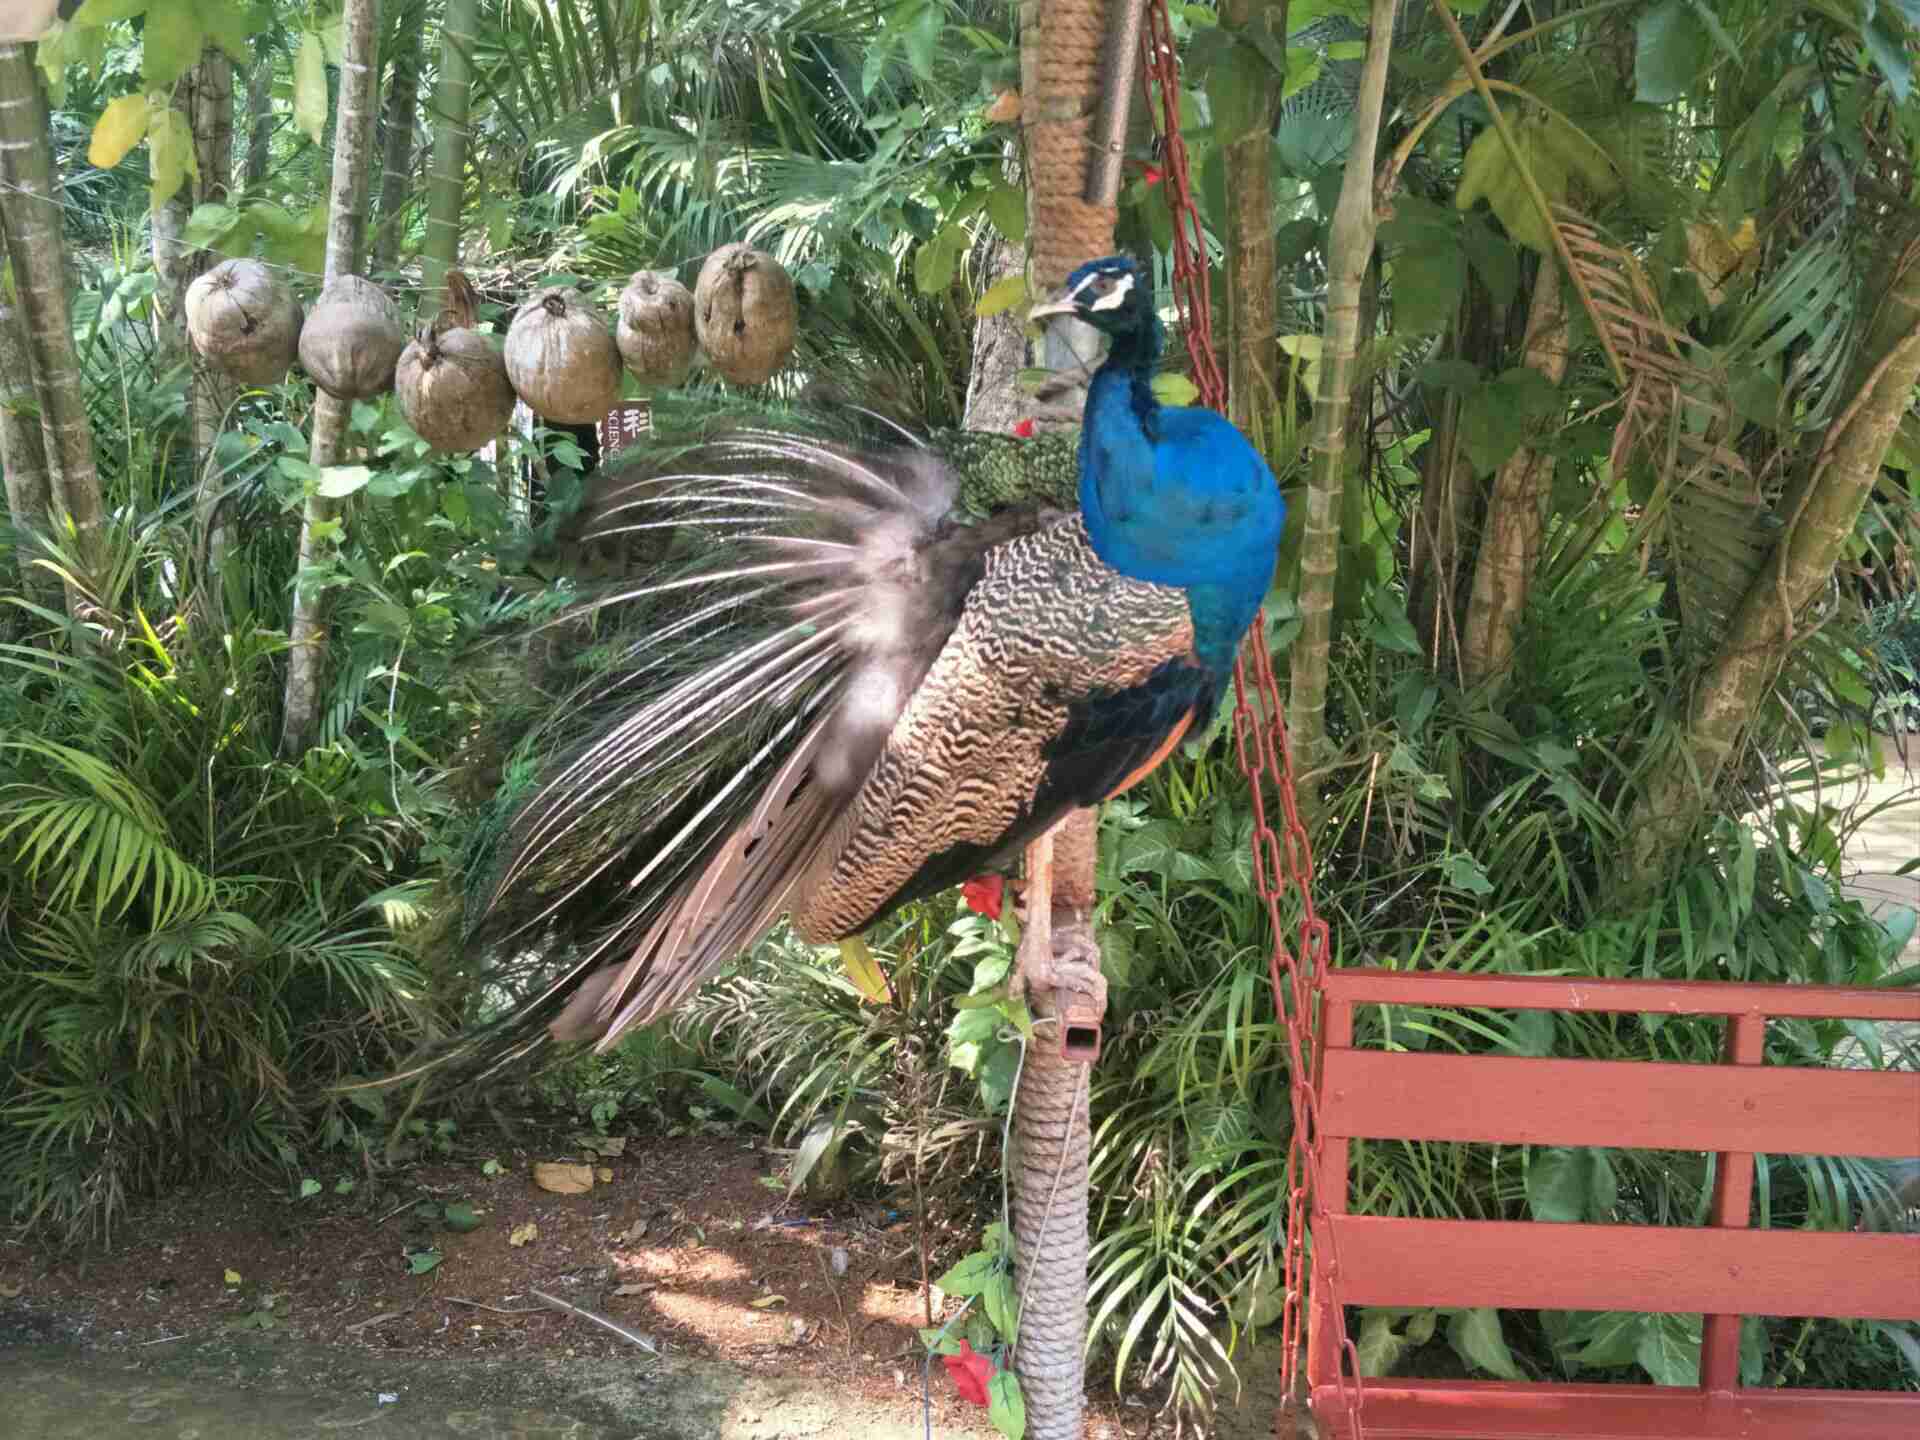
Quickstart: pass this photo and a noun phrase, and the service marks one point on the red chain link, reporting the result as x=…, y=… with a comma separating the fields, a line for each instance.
x=1284, y=857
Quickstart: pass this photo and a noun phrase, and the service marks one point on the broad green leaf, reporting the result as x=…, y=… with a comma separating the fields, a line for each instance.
x=1173, y=388
x=339, y=481
x=105, y=12
x=1002, y=295
x=121, y=126
x=1562, y=1184
x=923, y=39
x=1493, y=258
x=937, y=261
x=1006, y=1407
x=940, y=1341
x=1002, y=1304
x=1007, y=209
x=229, y=26
x=310, y=88
x=1476, y=1338
x=971, y=1275
x=309, y=1188
x=864, y=971
x=1381, y=1346
x=1892, y=56
x=1239, y=94
x=1611, y=1338
x=172, y=42
x=419, y=1262
x=1670, y=48
x=212, y=226
x=461, y=1217
x=173, y=158
x=1669, y=1349
x=1495, y=418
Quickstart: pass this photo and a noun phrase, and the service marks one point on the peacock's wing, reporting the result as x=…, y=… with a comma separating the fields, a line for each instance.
x=659, y=818
x=1063, y=682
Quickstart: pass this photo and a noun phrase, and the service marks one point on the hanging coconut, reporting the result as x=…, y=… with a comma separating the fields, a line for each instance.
x=352, y=339
x=452, y=383
x=744, y=313
x=655, y=332
x=562, y=359
x=244, y=322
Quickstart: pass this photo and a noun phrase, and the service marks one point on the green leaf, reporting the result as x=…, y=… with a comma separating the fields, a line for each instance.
x=1495, y=418
x=212, y=226
x=310, y=88
x=1002, y=1303
x=309, y=1188
x=864, y=971
x=1476, y=1338
x=1006, y=1407
x=971, y=1275
x=419, y=1262
x=940, y=1340
x=1002, y=295
x=1493, y=258
x=1669, y=1349
x=105, y=12
x=937, y=261
x=1239, y=94
x=1891, y=55
x=121, y=126
x=172, y=42
x=461, y=1217
x=173, y=158
x=1670, y=49
x=339, y=481
x=1611, y=1338
x=1007, y=209
x=230, y=27
x=1173, y=388
x=1568, y=1186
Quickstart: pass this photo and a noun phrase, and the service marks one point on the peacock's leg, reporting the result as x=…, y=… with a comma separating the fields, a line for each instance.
x=1057, y=967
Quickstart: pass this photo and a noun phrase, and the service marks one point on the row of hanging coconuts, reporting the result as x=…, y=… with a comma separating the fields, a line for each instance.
x=455, y=389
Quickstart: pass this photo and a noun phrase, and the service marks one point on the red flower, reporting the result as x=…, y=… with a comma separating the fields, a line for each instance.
x=1154, y=175
x=1024, y=429
x=970, y=1372
x=985, y=894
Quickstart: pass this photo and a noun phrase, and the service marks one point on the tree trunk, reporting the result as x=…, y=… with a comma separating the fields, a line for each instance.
x=1820, y=513
x=1517, y=509
x=346, y=236
x=23, y=450
x=259, y=121
x=1253, y=356
x=1349, y=252
x=31, y=218
x=396, y=162
x=447, y=179
x=994, y=401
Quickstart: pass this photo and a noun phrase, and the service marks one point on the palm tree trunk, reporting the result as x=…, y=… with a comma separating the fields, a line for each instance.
x=1253, y=356
x=396, y=161
x=447, y=179
x=23, y=450
x=1820, y=515
x=259, y=121
x=1349, y=252
x=346, y=236
x=31, y=218
x=1517, y=509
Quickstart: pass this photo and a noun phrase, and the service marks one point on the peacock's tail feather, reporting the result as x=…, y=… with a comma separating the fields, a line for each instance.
x=721, y=711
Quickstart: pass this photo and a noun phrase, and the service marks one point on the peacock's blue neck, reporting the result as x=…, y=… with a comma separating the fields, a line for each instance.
x=1177, y=496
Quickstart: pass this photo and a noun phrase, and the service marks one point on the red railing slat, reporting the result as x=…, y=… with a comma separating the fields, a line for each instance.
x=1437, y=989
x=1497, y=1410
x=1528, y=1265
x=1627, y=1104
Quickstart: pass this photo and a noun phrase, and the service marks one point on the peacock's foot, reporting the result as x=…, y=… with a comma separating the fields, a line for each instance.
x=1062, y=963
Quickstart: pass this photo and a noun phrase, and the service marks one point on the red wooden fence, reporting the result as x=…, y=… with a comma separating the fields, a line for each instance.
x=1724, y=1271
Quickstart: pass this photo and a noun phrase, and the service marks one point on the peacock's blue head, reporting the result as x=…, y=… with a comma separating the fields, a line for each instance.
x=1114, y=294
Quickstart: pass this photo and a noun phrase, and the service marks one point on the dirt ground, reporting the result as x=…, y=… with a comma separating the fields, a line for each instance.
x=682, y=1240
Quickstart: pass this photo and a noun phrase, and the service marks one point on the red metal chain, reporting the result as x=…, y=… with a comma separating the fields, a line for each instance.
x=1283, y=856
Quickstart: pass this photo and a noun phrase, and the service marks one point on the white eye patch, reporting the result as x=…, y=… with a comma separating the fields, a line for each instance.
x=1116, y=297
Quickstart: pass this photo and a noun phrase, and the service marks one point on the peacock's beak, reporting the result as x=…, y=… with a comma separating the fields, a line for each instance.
x=1047, y=309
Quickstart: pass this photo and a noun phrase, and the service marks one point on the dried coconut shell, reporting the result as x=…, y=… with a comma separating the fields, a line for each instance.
x=244, y=322
x=352, y=339
x=562, y=359
x=453, y=388
x=745, y=313
x=655, y=333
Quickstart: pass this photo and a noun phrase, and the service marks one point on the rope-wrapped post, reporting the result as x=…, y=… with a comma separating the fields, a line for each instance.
x=1071, y=113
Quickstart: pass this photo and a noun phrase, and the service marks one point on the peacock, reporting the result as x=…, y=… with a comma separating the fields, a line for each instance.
x=839, y=689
